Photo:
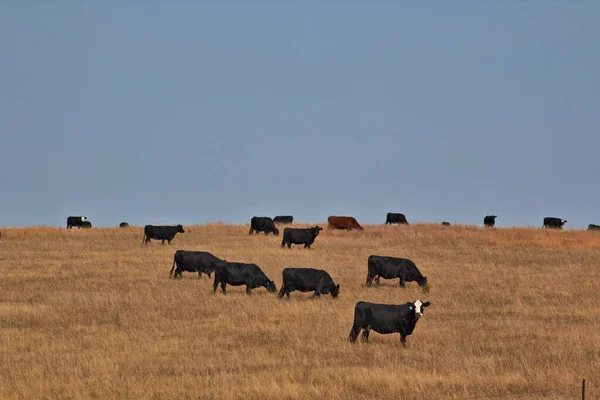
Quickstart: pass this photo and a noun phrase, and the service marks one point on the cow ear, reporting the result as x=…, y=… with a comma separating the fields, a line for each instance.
x=426, y=304
x=337, y=287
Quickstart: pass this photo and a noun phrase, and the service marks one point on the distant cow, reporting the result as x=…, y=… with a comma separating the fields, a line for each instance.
x=193, y=261
x=343, y=223
x=85, y=225
x=386, y=318
x=592, y=227
x=237, y=274
x=75, y=221
x=490, y=221
x=396, y=218
x=161, y=232
x=305, y=236
x=263, y=224
x=123, y=225
x=283, y=219
x=308, y=280
x=391, y=268
x=445, y=223
x=554, y=223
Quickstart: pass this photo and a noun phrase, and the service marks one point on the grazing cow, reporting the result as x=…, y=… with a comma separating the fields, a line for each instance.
x=592, y=227
x=263, y=224
x=396, y=218
x=75, y=221
x=161, y=232
x=123, y=225
x=554, y=223
x=305, y=236
x=490, y=221
x=283, y=219
x=308, y=280
x=343, y=223
x=85, y=225
x=391, y=268
x=386, y=318
x=237, y=274
x=193, y=261
x=445, y=223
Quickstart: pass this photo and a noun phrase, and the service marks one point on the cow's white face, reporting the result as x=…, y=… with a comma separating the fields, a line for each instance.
x=83, y=218
x=418, y=308
x=563, y=221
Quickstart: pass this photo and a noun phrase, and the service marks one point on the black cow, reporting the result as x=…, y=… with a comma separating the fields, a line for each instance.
x=554, y=223
x=237, y=274
x=263, y=224
x=308, y=280
x=391, y=268
x=161, y=232
x=193, y=261
x=490, y=220
x=85, y=225
x=445, y=223
x=396, y=218
x=75, y=221
x=283, y=219
x=123, y=225
x=592, y=227
x=305, y=236
x=386, y=318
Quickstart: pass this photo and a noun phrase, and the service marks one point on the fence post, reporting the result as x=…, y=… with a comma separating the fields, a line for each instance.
x=583, y=389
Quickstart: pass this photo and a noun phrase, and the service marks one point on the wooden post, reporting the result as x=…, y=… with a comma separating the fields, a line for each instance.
x=583, y=390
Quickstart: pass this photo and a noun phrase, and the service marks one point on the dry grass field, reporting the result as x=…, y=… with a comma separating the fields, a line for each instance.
x=93, y=314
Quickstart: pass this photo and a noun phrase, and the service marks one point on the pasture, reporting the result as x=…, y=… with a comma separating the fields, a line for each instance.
x=93, y=314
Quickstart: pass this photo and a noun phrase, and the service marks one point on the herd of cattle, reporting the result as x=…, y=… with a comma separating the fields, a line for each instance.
x=382, y=318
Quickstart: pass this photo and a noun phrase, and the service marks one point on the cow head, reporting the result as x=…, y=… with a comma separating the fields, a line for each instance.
x=270, y=286
x=418, y=307
x=275, y=231
x=316, y=229
x=422, y=281
x=562, y=222
x=83, y=219
x=180, y=228
x=335, y=291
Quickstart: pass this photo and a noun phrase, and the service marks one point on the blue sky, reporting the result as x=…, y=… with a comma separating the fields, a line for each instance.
x=198, y=111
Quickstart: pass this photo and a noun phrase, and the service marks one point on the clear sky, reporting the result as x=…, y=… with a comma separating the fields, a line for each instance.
x=196, y=111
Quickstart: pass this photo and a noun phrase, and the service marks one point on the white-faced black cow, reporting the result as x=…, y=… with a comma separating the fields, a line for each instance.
x=592, y=227
x=237, y=274
x=393, y=267
x=396, y=218
x=263, y=224
x=489, y=221
x=283, y=219
x=193, y=261
x=75, y=221
x=161, y=232
x=386, y=318
x=308, y=280
x=554, y=223
x=305, y=236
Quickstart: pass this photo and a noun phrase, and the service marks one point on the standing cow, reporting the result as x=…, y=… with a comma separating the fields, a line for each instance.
x=445, y=223
x=308, y=280
x=386, y=318
x=283, y=219
x=393, y=267
x=592, y=227
x=305, y=236
x=193, y=261
x=263, y=224
x=349, y=223
x=123, y=225
x=161, y=232
x=237, y=274
x=554, y=223
x=396, y=218
x=489, y=221
x=75, y=221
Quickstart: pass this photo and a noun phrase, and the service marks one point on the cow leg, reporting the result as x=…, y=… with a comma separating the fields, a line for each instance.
x=289, y=245
x=354, y=333
x=403, y=340
x=316, y=293
x=369, y=279
x=402, y=282
x=250, y=232
x=248, y=290
x=365, y=334
x=282, y=244
x=215, y=284
x=163, y=242
x=281, y=292
x=377, y=280
x=168, y=241
x=266, y=233
x=178, y=273
x=223, y=284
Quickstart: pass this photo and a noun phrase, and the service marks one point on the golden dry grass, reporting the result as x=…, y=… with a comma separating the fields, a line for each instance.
x=92, y=314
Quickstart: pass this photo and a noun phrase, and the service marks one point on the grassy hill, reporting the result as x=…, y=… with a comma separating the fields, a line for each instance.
x=93, y=314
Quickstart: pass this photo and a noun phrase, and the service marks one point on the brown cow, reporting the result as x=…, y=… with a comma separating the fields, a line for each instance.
x=343, y=223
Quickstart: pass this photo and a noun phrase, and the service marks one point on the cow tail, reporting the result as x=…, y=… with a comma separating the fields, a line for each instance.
x=144, y=237
x=172, y=268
